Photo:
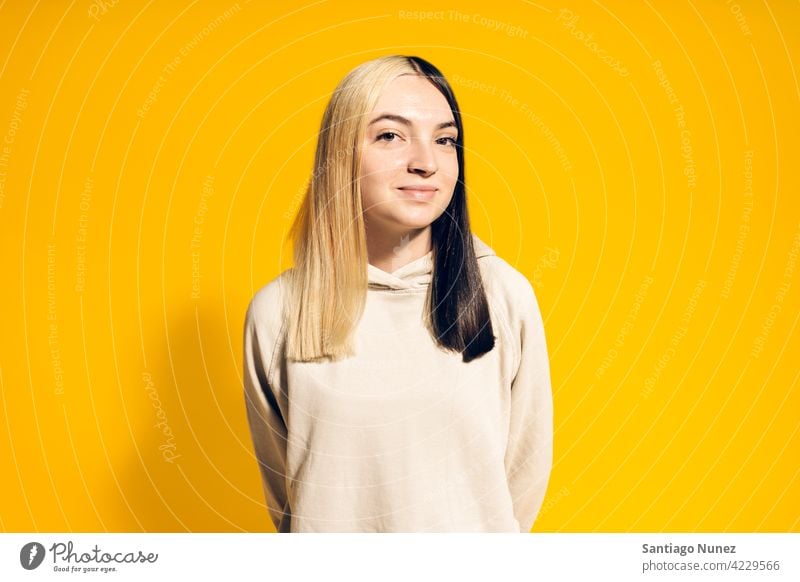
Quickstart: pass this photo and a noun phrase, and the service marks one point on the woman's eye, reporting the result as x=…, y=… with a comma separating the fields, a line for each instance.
x=387, y=136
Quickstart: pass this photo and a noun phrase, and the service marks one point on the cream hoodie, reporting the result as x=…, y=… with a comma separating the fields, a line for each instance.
x=404, y=437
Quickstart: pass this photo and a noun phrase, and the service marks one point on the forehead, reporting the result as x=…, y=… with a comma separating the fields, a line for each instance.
x=415, y=98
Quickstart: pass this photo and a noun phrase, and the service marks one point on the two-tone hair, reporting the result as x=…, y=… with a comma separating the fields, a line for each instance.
x=329, y=279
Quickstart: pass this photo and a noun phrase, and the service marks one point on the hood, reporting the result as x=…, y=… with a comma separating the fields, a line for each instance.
x=417, y=273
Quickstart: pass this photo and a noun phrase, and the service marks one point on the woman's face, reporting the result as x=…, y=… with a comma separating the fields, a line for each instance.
x=409, y=166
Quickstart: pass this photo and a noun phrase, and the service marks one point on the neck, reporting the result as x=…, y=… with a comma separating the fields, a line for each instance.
x=390, y=250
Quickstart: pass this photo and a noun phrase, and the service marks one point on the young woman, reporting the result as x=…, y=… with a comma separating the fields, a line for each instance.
x=396, y=378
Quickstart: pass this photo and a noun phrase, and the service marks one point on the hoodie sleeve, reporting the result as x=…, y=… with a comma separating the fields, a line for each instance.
x=529, y=451
x=267, y=424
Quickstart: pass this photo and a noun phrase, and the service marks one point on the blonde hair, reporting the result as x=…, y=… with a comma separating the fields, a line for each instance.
x=329, y=279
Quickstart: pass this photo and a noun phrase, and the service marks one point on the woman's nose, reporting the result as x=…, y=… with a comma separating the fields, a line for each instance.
x=421, y=157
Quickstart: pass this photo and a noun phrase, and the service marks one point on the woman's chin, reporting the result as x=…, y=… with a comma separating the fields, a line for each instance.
x=420, y=217
x=406, y=217
x=415, y=223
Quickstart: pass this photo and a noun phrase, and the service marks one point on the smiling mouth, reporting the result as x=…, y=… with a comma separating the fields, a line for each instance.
x=422, y=194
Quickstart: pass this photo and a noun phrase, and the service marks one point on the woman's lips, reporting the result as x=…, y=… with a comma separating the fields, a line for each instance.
x=424, y=195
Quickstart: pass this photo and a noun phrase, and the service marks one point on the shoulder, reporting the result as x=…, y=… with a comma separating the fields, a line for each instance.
x=267, y=307
x=503, y=283
x=507, y=286
x=264, y=325
x=512, y=302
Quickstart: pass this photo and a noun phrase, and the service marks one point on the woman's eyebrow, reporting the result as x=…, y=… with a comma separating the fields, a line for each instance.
x=405, y=121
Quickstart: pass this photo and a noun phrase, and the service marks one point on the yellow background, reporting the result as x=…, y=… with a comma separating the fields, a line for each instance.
x=153, y=154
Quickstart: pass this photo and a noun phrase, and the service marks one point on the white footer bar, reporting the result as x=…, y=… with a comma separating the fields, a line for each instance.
x=406, y=557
